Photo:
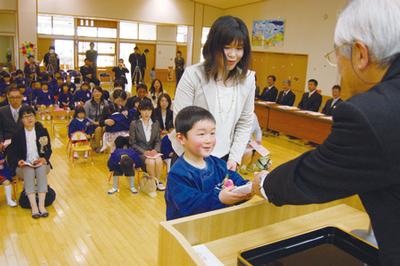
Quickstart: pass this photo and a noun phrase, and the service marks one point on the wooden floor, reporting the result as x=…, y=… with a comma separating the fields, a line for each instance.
x=88, y=227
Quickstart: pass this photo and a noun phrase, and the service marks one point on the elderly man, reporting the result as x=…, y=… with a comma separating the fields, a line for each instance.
x=362, y=153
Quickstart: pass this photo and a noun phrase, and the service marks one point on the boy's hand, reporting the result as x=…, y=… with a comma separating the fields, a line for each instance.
x=227, y=197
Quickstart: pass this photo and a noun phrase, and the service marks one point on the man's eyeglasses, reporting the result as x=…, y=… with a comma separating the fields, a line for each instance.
x=332, y=57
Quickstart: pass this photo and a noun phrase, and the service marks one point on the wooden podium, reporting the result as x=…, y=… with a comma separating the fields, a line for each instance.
x=226, y=232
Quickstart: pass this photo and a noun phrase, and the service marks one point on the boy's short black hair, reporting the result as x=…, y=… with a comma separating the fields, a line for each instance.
x=26, y=109
x=189, y=116
x=337, y=87
x=272, y=77
x=119, y=94
x=314, y=81
x=145, y=104
x=121, y=142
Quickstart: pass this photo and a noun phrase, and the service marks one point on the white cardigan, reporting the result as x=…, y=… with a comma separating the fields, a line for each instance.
x=194, y=89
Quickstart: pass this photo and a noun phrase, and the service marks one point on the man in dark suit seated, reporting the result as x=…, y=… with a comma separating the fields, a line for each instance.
x=286, y=96
x=361, y=156
x=311, y=101
x=332, y=103
x=269, y=93
x=8, y=127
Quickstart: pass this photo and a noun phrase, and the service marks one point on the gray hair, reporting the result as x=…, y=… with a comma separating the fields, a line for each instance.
x=287, y=81
x=375, y=23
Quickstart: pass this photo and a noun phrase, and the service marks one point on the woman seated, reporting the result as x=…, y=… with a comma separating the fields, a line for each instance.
x=144, y=136
x=29, y=156
x=163, y=114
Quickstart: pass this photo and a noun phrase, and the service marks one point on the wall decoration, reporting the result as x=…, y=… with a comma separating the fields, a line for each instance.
x=268, y=33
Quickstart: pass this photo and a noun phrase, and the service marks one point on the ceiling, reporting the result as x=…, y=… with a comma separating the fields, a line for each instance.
x=225, y=4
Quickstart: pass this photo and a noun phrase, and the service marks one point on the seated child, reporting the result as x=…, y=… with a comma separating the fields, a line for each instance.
x=123, y=161
x=65, y=98
x=196, y=182
x=44, y=98
x=71, y=86
x=83, y=94
x=6, y=179
x=26, y=93
x=80, y=123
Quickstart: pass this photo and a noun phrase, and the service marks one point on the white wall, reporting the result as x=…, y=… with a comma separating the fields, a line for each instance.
x=309, y=30
x=160, y=11
x=27, y=21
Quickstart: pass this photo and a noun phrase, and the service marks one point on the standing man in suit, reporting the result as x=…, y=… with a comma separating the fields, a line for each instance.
x=286, y=96
x=362, y=153
x=9, y=123
x=135, y=60
x=92, y=54
x=311, y=101
x=331, y=104
x=269, y=93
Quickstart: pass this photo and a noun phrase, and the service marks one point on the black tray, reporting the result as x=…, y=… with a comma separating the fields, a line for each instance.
x=327, y=246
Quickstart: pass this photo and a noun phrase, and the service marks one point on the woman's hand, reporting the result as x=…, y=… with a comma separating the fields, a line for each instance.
x=256, y=182
x=21, y=163
x=231, y=165
x=109, y=122
x=41, y=161
x=227, y=197
x=147, y=153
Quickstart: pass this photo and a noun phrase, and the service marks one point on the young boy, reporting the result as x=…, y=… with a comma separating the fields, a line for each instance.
x=122, y=162
x=197, y=180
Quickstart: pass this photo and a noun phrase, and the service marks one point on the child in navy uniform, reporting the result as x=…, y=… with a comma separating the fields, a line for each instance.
x=72, y=86
x=80, y=123
x=26, y=93
x=123, y=161
x=44, y=97
x=83, y=94
x=65, y=98
x=196, y=182
x=6, y=179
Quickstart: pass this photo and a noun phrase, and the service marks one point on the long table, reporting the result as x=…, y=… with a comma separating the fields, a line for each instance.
x=293, y=122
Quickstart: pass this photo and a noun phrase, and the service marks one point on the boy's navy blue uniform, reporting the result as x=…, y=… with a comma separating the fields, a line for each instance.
x=83, y=96
x=66, y=100
x=115, y=158
x=44, y=98
x=191, y=190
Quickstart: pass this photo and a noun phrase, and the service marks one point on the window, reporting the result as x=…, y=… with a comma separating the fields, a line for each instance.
x=87, y=31
x=204, y=35
x=63, y=25
x=181, y=34
x=44, y=24
x=106, y=53
x=56, y=25
x=128, y=30
x=65, y=51
x=147, y=32
x=106, y=33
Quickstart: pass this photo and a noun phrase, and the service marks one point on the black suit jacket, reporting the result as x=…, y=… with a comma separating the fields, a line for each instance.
x=328, y=108
x=269, y=94
x=288, y=99
x=360, y=156
x=310, y=103
x=18, y=151
x=8, y=126
x=157, y=116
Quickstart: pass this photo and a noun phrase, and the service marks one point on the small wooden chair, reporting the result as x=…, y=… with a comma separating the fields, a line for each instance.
x=79, y=142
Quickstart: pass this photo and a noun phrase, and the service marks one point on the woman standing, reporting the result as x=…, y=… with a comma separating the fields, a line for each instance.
x=223, y=85
x=29, y=156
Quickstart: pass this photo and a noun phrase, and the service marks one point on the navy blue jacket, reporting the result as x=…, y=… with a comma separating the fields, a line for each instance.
x=82, y=96
x=191, y=190
x=66, y=100
x=115, y=158
x=311, y=103
x=44, y=98
x=77, y=125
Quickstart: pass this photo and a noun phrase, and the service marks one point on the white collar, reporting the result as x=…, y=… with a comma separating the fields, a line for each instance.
x=14, y=110
x=150, y=122
x=311, y=93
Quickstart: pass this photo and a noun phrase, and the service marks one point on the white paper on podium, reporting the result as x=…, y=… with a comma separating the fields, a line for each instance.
x=259, y=148
x=207, y=256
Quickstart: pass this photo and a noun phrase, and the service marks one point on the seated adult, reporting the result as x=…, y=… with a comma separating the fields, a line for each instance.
x=89, y=72
x=332, y=103
x=270, y=92
x=29, y=157
x=163, y=114
x=94, y=109
x=311, y=101
x=286, y=96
